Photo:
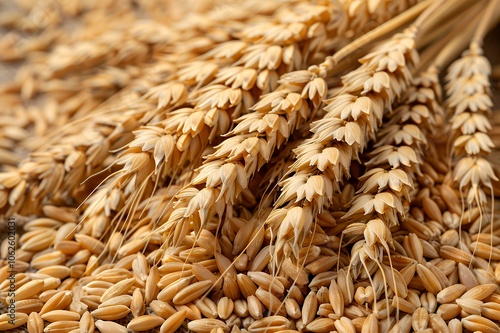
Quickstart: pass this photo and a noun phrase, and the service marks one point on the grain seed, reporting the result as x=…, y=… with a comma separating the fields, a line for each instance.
x=191, y=292
x=437, y=323
x=87, y=324
x=35, y=323
x=449, y=311
x=429, y=280
x=169, y=292
x=61, y=326
x=117, y=300
x=113, y=312
x=321, y=325
x=206, y=325
x=225, y=308
x=207, y=307
x=29, y=305
x=420, y=319
x=270, y=324
x=60, y=315
x=336, y=298
x=173, y=322
x=271, y=302
x=59, y=301
x=110, y=327
x=477, y=323
x=292, y=308
x=144, y=323
x=451, y=293
x=137, y=306
x=370, y=324
x=118, y=289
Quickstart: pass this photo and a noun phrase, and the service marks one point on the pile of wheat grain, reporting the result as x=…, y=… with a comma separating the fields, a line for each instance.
x=248, y=166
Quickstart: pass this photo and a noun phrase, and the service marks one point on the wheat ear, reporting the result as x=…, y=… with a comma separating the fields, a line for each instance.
x=469, y=103
x=99, y=138
x=358, y=108
x=228, y=170
x=228, y=80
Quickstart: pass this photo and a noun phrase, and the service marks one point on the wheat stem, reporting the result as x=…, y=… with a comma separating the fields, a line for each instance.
x=442, y=13
x=377, y=33
x=490, y=19
x=457, y=41
x=438, y=49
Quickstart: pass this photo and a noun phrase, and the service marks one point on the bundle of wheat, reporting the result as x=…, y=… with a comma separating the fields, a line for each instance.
x=248, y=166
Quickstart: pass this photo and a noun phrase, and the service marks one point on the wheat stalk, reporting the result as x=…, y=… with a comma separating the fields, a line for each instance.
x=253, y=142
x=221, y=94
x=103, y=141
x=387, y=184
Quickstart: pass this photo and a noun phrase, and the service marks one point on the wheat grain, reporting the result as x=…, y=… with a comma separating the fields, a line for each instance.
x=137, y=306
x=64, y=326
x=267, y=282
x=207, y=307
x=169, y=292
x=403, y=325
x=191, y=292
x=451, y=293
x=89, y=301
x=269, y=324
x=117, y=300
x=162, y=309
x=321, y=325
x=117, y=289
x=110, y=327
x=35, y=323
x=255, y=307
x=448, y=311
x=29, y=305
x=428, y=301
x=475, y=322
x=57, y=271
x=413, y=298
x=112, y=312
x=420, y=319
x=173, y=322
x=193, y=313
x=60, y=315
x=455, y=325
x=225, y=308
x=20, y=319
x=479, y=292
x=28, y=290
x=491, y=310
x=455, y=254
x=144, y=323
x=206, y=325
x=271, y=302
